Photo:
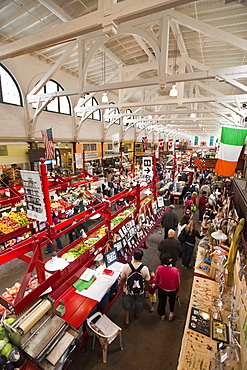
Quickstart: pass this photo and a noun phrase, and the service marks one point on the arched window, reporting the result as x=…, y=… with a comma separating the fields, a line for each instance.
x=126, y=119
x=92, y=102
x=110, y=112
x=60, y=104
x=9, y=90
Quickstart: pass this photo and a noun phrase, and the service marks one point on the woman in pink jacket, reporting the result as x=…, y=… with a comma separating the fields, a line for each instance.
x=168, y=282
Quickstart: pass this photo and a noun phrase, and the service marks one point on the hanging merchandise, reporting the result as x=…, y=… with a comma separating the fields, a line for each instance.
x=145, y=142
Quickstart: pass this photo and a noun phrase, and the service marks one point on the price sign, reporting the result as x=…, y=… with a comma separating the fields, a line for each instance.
x=147, y=166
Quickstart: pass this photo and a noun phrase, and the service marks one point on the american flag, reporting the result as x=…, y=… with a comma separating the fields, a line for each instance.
x=48, y=143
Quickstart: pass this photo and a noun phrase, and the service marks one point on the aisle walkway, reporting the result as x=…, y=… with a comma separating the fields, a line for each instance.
x=149, y=343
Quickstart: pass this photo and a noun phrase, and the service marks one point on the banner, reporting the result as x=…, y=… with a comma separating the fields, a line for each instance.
x=170, y=145
x=33, y=195
x=196, y=140
x=231, y=143
x=48, y=143
x=78, y=160
x=211, y=141
x=177, y=144
x=161, y=144
x=145, y=142
x=115, y=142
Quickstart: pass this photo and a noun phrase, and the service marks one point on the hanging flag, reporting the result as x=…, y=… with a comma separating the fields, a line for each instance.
x=161, y=144
x=170, y=145
x=48, y=143
x=177, y=144
x=115, y=142
x=145, y=142
x=231, y=142
x=211, y=141
x=198, y=163
x=196, y=140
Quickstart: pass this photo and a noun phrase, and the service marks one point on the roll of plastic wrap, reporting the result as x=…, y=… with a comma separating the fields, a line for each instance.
x=37, y=313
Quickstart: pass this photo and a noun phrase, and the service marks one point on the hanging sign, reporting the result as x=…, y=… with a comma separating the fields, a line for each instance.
x=78, y=160
x=147, y=166
x=33, y=195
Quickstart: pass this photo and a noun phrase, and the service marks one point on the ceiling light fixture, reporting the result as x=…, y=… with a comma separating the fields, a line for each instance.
x=104, y=96
x=173, y=91
x=192, y=115
x=55, y=263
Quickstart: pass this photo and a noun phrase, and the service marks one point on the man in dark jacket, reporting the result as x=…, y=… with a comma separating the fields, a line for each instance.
x=169, y=220
x=171, y=246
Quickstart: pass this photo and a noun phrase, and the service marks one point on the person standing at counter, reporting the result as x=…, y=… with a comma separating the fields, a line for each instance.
x=191, y=233
x=168, y=282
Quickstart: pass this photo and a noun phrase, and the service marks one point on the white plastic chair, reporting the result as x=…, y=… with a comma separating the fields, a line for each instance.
x=105, y=330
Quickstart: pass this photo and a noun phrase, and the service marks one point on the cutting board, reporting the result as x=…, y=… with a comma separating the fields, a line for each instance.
x=60, y=348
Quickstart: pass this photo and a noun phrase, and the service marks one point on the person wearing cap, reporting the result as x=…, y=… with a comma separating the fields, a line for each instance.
x=172, y=246
x=169, y=220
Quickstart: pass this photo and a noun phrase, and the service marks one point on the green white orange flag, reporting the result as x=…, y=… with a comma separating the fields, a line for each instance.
x=231, y=143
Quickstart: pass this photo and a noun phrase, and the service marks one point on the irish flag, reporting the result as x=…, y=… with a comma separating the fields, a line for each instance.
x=231, y=142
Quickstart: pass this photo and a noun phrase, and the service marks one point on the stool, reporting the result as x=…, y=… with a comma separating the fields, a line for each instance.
x=176, y=200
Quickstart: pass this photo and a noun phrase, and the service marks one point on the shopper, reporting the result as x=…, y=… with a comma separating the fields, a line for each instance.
x=151, y=290
x=171, y=246
x=184, y=221
x=191, y=233
x=169, y=220
x=75, y=233
x=203, y=200
x=167, y=197
x=55, y=220
x=188, y=202
x=133, y=294
x=168, y=283
x=79, y=202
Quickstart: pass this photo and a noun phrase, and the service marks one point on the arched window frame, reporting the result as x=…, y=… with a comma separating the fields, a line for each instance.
x=116, y=111
x=125, y=118
x=96, y=116
x=16, y=86
x=57, y=100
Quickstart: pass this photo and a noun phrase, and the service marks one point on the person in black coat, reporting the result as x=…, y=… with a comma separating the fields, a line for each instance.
x=171, y=246
x=169, y=220
x=191, y=233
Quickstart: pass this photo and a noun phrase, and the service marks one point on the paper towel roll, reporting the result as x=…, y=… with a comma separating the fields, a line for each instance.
x=37, y=313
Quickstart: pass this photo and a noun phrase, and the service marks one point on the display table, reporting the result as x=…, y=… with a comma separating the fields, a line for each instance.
x=198, y=349
x=80, y=304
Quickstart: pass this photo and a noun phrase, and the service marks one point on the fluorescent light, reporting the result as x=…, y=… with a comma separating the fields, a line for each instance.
x=173, y=91
x=192, y=115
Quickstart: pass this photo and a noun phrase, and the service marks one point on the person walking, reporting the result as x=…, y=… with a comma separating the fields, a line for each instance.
x=185, y=220
x=203, y=200
x=188, y=202
x=169, y=220
x=191, y=233
x=168, y=283
x=133, y=279
x=171, y=246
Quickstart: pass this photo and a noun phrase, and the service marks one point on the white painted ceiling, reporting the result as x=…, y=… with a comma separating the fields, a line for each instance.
x=136, y=50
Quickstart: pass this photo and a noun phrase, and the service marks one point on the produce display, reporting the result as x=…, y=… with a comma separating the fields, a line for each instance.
x=146, y=200
x=59, y=204
x=13, y=221
x=11, y=358
x=81, y=247
x=121, y=216
x=11, y=293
